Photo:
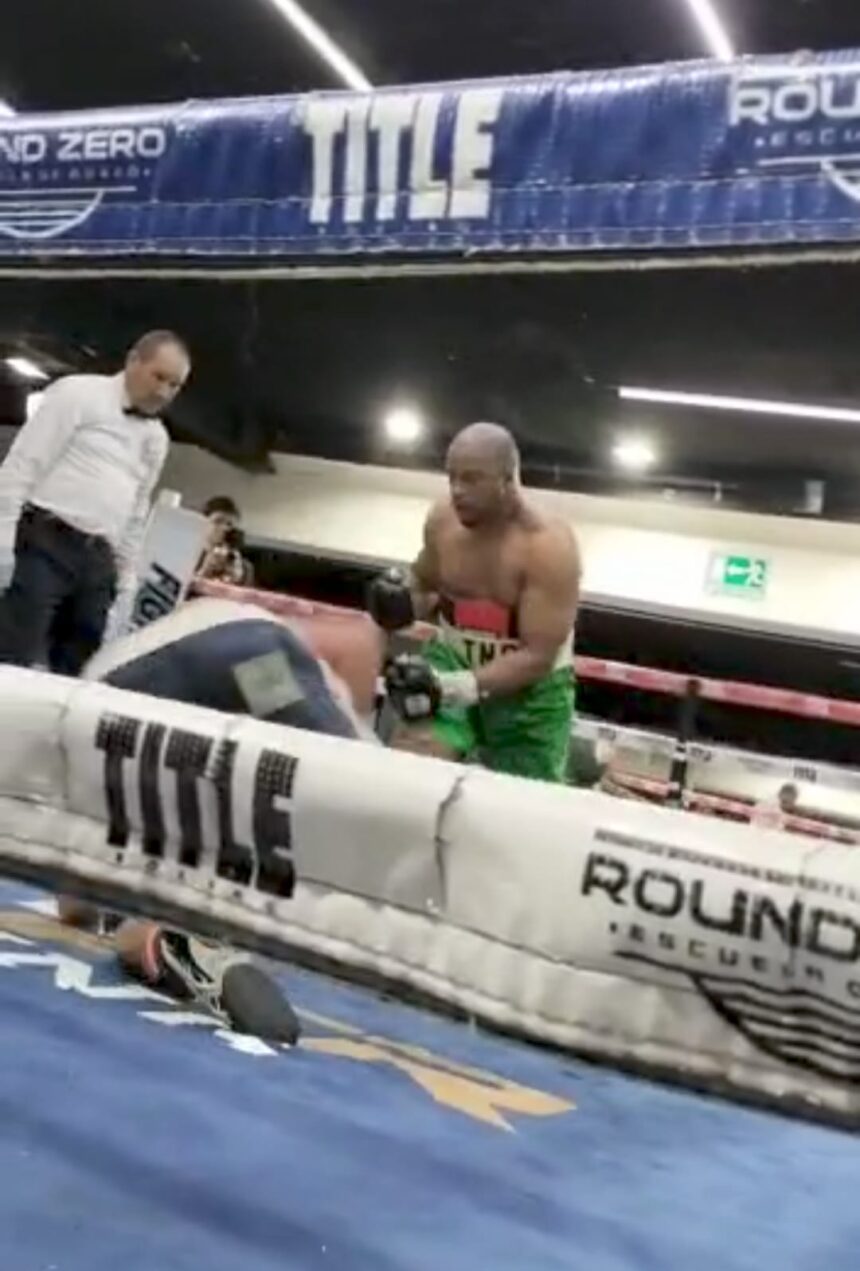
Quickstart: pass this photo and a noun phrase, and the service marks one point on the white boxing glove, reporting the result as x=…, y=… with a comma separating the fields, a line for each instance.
x=417, y=692
x=458, y=688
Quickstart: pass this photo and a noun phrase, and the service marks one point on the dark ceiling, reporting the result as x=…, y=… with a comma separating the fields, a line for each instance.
x=313, y=366
x=57, y=56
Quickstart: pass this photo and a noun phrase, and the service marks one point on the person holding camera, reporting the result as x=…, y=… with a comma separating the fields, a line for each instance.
x=222, y=560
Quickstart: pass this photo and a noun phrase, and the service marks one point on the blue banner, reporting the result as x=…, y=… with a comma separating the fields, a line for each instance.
x=703, y=155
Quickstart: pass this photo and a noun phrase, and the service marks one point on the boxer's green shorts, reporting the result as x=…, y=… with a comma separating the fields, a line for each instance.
x=526, y=734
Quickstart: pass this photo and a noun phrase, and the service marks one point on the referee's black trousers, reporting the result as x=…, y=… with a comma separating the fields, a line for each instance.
x=55, y=611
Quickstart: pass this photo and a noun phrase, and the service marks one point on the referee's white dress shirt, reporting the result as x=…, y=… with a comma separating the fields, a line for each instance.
x=82, y=458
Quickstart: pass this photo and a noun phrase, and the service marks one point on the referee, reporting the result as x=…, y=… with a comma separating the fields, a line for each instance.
x=75, y=494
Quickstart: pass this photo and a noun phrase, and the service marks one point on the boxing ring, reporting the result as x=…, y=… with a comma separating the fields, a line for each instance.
x=681, y=770
x=604, y=934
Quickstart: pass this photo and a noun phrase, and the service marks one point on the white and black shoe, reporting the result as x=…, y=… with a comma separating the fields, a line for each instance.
x=229, y=985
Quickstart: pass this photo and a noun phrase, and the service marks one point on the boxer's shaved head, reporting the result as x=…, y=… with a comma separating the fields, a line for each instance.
x=488, y=444
x=483, y=470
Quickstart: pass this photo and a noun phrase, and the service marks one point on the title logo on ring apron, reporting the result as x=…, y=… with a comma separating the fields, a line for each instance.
x=776, y=954
x=53, y=179
x=803, y=121
x=414, y=157
x=161, y=782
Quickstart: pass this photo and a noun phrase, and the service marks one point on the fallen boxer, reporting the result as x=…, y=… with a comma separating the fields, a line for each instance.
x=501, y=581
x=241, y=660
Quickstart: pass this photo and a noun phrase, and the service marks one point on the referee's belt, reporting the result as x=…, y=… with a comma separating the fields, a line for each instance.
x=34, y=512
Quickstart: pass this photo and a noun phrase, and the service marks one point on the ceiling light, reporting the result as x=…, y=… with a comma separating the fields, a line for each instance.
x=748, y=405
x=322, y=43
x=27, y=369
x=6, y=110
x=403, y=425
x=712, y=29
x=636, y=454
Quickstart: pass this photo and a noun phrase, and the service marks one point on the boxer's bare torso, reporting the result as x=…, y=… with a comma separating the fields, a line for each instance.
x=493, y=564
x=526, y=567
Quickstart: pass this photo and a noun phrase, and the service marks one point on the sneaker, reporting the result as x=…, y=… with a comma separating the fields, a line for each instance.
x=228, y=985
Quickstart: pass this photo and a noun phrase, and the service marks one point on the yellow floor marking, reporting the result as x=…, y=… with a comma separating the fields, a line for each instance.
x=484, y=1100
x=34, y=926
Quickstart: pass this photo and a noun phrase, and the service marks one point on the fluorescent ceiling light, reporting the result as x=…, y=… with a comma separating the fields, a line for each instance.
x=636, y=454
x=322, y=43
x=748, y=405
x=6, y=111
x=27, y=369
x=404, y=425
x=712, y=28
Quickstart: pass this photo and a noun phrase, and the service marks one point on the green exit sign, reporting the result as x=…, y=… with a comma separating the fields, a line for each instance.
x=736, y=575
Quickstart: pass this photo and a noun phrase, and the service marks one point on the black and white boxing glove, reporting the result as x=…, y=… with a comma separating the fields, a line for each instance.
x=389, y=601
x=417, y=692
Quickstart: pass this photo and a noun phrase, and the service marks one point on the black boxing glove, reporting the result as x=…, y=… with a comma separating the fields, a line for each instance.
x=389, y=601
x=412, y=688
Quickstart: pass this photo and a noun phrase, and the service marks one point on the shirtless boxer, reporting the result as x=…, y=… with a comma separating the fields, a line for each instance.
x=242, y=660
x=501, y=581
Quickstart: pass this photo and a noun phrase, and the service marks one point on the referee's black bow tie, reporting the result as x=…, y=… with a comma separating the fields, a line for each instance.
x=131, y=413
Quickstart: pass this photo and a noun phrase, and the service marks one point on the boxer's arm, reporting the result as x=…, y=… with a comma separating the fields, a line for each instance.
x=546, y=615
x=425, y=579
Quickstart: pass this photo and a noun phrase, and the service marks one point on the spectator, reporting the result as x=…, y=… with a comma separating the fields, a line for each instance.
x=773, y=815
x=222, y=560
x=75, y=493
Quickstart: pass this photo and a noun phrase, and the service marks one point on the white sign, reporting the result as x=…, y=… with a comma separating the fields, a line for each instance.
x=171, y=550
